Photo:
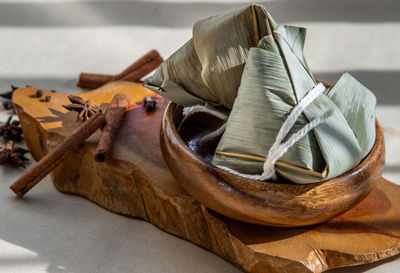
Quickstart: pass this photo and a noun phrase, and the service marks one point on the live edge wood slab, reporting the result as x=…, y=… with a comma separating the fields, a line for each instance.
x=135, y=181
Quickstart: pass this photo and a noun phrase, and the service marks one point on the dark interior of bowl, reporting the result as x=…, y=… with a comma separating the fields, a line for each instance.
x=194, y=129
x=198, y=133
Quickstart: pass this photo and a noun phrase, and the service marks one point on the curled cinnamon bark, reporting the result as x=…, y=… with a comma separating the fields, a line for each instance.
x=56, y=156
x=134, y=72
x=88, y=80
x=114, y=117
x=145, y=59
x=136, y=75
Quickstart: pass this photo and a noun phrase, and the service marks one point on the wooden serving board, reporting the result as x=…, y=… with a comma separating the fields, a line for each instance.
x=136, y=182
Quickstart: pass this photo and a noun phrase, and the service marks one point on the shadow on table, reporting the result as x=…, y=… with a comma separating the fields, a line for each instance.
x=184, y=14
x=382, y=83
x=61, y=85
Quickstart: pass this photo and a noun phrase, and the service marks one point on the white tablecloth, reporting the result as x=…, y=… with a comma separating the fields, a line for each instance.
x=47, y=43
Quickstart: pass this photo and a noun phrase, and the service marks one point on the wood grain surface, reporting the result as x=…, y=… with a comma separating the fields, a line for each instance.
x=135, y=181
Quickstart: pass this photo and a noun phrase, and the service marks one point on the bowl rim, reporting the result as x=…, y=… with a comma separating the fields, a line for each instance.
x=362, y=178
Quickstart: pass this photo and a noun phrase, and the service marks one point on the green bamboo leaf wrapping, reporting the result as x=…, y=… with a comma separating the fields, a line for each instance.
x=271, y=84
x=210, y=65
x=245, y=62
x=357, y=104
x=264, y=99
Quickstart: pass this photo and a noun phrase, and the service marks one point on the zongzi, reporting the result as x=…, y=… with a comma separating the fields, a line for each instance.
x=208, y=68
x=275, y=79
x=281, y=120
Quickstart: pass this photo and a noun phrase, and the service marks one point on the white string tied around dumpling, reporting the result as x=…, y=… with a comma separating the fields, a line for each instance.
x=278, y=149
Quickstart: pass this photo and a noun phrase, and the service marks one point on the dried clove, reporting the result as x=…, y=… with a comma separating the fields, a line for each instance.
x=11, y=130
x=13, y=156
x=150, y=104
x=84, y=108
x=7, y=105
x=39, y=93
x=47, y=98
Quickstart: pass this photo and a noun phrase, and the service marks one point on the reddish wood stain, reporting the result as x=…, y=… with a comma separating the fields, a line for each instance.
x=354, y=220
x=375, y=203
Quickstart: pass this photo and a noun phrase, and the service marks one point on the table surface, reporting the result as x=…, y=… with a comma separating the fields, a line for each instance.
x=47, y=43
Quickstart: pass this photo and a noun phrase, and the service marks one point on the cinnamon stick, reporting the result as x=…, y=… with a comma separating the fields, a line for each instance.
x=50, y=161
x=143, y=66
x=142, y=71
x=114, y=117
x=87, y=80
x=147, y=58
x=327, y=84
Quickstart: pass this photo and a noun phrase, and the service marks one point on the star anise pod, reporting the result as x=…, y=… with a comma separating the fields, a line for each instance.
x=8, y=94
x=13, y=156
x=11, y=130
x=84, y=108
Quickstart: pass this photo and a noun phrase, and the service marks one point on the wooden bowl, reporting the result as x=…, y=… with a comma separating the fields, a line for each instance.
x=266, y=203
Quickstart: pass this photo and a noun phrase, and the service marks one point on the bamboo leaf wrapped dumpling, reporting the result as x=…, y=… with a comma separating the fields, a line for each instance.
x=274, y=80
x=208, y=68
